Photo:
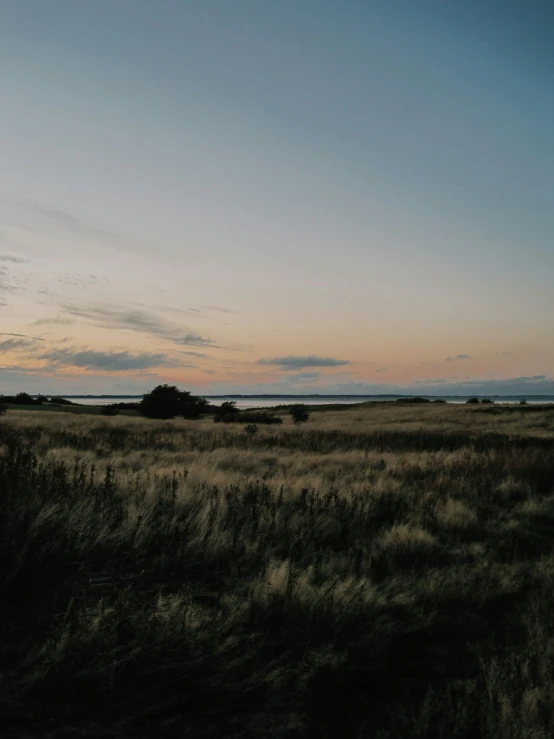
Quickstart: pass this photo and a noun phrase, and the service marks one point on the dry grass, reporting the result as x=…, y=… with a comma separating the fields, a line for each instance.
x=382, y=571
x=455, y=515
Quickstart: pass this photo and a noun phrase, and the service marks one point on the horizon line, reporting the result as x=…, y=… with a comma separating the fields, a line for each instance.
x=316, y=395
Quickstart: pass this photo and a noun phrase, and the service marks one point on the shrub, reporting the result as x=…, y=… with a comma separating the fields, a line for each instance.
x=413, y=400
x=251, y=429
x=405, y=545
x=487, y=401
x=472, y=400
x=167, y=401
x=512, y=489
x=61, y=401
x=299, y=413
x=23, y=399
x=125, y=406
x=228, y=406
x=110, y=410
x=3, y=408
x=257, y=417
x=455, y=515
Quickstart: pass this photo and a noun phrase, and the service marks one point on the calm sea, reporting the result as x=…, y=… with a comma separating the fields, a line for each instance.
x=288, y=400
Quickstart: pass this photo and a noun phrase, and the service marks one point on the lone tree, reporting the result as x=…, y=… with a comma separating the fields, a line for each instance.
x=167, y=401
x=299, y=413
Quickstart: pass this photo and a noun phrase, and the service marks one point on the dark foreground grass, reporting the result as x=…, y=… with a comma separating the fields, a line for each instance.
x=140, y=606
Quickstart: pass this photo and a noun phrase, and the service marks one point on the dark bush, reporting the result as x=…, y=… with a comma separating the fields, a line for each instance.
x=3, y=409
x=110, y=410
x=472, y=401
x=124, y=406
x=487, y=401
x=167, y=401
x=228, y=406
x=300, y=413
x=260, y=417
x=23, y=399
x=61, y=401
x=257, y=417
x=412, y=400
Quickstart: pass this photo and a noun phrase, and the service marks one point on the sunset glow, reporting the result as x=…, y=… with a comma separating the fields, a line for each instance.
x=263, y=197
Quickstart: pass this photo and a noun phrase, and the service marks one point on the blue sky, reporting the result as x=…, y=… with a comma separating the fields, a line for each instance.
x=364, y=182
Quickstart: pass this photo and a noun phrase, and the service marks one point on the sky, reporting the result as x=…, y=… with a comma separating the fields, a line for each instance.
x=277, y=197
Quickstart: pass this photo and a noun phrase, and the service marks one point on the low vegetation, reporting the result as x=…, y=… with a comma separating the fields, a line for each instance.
x=374, y=572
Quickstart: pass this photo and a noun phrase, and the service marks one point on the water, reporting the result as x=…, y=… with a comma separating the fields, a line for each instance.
x=242, y=403
x=248, y=402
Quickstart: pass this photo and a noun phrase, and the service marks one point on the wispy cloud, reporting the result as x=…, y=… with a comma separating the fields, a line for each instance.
x=38, y=217
x=457, y=357
x=59, y=320
x=11, y=278
x=218, y=309
x=16, y=368
x=140, y=321
x=77, y=280
x=504, y=354
x=195, y=354
x=295, y=362
x=14, y=260
x=306, y=377
x=9, y=345
x=23, y=336
x=107, y=361
x=6, y=283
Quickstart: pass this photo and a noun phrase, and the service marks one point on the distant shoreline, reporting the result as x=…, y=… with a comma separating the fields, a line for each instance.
x=319, y=395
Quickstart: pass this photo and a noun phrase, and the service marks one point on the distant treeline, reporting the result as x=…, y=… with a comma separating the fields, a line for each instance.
x=26, y=399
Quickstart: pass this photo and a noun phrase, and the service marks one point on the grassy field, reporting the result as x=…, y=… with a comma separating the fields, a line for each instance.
x=381, y=571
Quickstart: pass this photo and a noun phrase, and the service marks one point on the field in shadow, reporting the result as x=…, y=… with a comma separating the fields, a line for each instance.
x=373, y=573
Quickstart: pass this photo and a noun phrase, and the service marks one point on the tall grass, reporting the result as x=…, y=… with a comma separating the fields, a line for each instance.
x=383, y=577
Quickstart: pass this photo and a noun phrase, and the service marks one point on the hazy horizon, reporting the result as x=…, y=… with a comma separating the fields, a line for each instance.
x=333, y=198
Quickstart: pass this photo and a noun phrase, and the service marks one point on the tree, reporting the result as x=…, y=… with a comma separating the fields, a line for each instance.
x=299, y=413
x=228, y=406
x=24, y=399
x=193, y=406
x=167, y=401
